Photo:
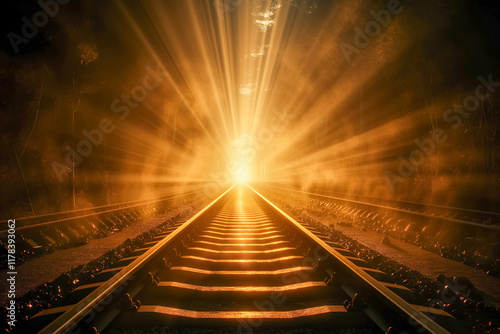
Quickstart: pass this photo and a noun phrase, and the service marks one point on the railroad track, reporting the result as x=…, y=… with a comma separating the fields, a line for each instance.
x=241, y=265
x=473, y=243
x=39, y=235
x=487, y=221
x=30, y=222
x=487, y=217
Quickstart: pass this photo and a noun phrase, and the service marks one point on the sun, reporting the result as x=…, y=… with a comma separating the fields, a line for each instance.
x=242, y=177
x=242, y=174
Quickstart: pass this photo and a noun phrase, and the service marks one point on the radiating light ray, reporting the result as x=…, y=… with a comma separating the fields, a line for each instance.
x=232, y=70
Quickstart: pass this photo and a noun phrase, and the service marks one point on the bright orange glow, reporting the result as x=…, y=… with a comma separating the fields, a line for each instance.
x=293, y=92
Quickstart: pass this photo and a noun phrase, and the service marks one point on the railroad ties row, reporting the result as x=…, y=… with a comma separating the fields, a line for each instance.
x=473, y=244
x=44, y=237
x=242, y=265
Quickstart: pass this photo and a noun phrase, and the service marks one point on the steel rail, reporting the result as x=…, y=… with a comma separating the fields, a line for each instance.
x=453, y=208
x=397, y=303
x=143, y=202
x=69, y=212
